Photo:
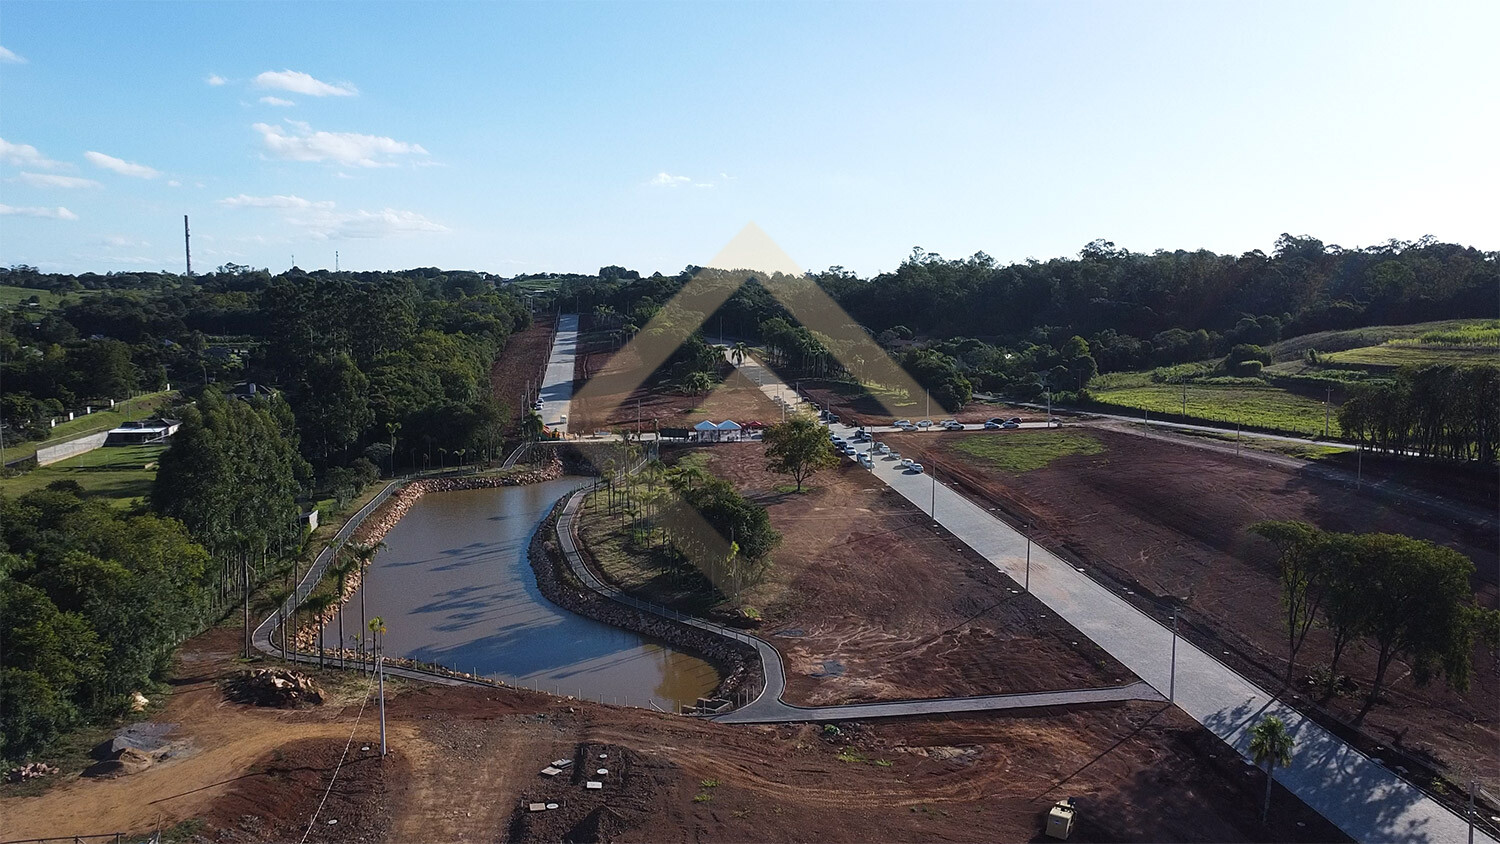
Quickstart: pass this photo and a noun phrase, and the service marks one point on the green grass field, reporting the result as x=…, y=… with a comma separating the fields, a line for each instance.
x=1261, y=407
x=129, y=410
x=10, y=296
x=1375, y=335
x=118, y=474
x=1018, y=452
x=1398, y=354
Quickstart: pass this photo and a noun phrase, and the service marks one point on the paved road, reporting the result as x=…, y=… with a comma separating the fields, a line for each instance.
x=1367, y=801
x=1181, y=426
x=557, y=382
x=768, y=708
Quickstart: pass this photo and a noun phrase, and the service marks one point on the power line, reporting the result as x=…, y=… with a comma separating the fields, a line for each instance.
x=336, y=768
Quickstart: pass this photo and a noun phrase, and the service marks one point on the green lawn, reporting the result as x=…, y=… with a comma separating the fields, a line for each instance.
x=100, y=420
x=1024, y=451
x=10, y=295
x=116, y=473
x=1263, y=407
x=1375, y=335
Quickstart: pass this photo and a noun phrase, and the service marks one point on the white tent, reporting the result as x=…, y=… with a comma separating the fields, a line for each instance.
x=729, y=430
x=706, y=431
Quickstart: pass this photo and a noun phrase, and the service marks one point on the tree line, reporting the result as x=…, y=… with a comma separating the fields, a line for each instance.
x=92, y=603
x=1446, y=411
x=1407, y=599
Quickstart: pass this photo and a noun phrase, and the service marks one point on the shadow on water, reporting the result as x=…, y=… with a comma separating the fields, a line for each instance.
x=455, y=588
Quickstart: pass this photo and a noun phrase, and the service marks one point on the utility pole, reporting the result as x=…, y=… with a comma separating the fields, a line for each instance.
x=932, y=508
x=1236, y=439
x=1184, y=401
x=1328, y=399
x=187, y=248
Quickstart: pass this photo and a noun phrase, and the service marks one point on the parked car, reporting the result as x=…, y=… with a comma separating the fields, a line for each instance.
x=902, y=423
x=925, y=423
x=882, y=448
x=1010, y=424
x=915, y=468
x=906, y=463
x=992, y=425
x=953, y=425
x=867, y=461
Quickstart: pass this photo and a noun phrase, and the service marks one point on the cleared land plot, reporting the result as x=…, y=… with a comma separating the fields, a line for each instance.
x=129, y=410
x=859, y=406
x=657, y=403
x=1167, y=520
x=520, y=364
x=118, y=473
x=465, y=761
x=867, y=601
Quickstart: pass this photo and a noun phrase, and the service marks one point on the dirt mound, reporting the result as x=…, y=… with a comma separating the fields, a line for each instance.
x=280, y=687
x=127, y=761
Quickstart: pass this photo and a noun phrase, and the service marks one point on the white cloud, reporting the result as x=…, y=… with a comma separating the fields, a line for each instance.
x=301, y=83
x=58, y=213
x=366, y=224
x=278, y=201
x=25, y=155
x=704, y=185
x=173, y=183
x=276, y=101
x=52, y=180
x=667, y=180
x=7, y=57
x=120, y=241
x=304, y=144
x=124, y=168
x=216, y=80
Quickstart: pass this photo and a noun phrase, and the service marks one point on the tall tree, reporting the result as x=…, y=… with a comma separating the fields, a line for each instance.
x=1300, y=569
x=798, y=447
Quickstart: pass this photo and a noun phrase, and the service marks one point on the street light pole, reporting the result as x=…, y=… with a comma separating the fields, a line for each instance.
x=1172, y=683
x=1028, y=556
x=932, y=508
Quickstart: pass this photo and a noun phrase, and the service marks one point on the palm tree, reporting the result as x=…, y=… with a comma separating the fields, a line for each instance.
x=364, y=552
x=533, y=426
x=1270, y=745
x=276, y=599
x=393, y=427
x=738, y=352
x=318, y=605
x=341, y=569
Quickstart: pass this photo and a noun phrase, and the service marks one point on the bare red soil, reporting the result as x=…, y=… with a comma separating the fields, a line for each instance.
x=1168, y=520
x=614, y=402
x=520, y=366
x=464, y=764
x=869, y=600
x=855, y=406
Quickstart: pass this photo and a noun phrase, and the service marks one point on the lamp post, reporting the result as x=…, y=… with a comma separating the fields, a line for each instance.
x=932, y=508
x=1028, y=556
x=1172, y=681
x=377, y=627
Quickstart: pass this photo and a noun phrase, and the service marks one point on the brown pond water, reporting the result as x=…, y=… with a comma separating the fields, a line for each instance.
x=455, y=588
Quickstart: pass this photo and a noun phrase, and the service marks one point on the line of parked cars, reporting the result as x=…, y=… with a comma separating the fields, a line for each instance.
x=954, y=425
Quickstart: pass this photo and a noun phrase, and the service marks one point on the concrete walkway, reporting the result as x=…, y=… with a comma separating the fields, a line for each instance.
x=1355, y=792
x=768, y=708
x=557, y=383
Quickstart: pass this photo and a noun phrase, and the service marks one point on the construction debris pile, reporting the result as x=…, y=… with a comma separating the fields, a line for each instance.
x=280, y=687
x=30, y=771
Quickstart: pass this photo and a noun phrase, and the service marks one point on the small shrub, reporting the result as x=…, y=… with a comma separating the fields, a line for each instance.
x=702, y=797
x=709, y=783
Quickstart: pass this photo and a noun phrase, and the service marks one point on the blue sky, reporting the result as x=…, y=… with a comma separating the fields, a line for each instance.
x=565, y=136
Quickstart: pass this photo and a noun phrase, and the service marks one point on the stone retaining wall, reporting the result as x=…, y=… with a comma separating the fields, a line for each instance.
x=737, y=662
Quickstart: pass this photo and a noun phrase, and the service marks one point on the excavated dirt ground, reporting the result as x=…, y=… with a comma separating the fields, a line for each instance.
x=868, y=600
x=520, y=364
x=464, y=763
x=1165, y=519
x=613, y=374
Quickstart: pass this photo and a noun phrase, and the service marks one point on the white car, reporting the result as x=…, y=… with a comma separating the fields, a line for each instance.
x=882, y=448
x=1010, y=424
x=953, y=425
x=925, y=423
x=915, y=468
x=902, y=423
x=906, y=463
x=992, y=425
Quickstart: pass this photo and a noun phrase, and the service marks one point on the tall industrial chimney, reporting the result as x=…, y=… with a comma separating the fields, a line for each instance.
x=187, y=247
